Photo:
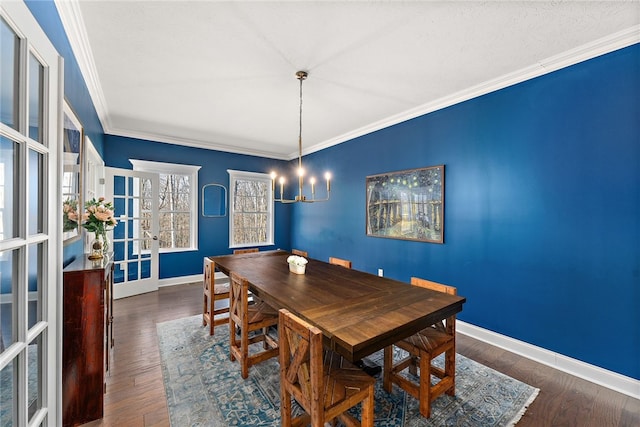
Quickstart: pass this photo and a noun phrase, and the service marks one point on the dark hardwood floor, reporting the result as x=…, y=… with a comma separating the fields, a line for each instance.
x=135, y=391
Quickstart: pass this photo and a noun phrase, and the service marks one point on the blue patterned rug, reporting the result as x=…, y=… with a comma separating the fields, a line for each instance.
x=204, y=388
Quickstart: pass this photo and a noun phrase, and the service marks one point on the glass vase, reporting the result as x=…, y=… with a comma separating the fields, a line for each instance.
x=105, y=243
x=97, y=246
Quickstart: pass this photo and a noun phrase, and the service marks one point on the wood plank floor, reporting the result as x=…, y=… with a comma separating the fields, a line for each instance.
x=135, y=391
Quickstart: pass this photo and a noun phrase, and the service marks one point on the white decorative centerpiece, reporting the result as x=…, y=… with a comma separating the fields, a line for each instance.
x=297, y=264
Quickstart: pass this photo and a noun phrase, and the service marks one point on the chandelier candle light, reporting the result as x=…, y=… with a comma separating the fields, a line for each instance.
x=300, y=75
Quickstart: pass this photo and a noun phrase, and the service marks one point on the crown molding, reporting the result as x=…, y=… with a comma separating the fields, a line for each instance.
x=607, y=44
x=207, y=145
x=74, y=27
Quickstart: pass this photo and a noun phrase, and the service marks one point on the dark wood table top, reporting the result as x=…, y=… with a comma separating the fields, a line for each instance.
x=359, y=313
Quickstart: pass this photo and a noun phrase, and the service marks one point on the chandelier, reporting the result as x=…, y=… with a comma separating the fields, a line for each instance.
x=300, y=197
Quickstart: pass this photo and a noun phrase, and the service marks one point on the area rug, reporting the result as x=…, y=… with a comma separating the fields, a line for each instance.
x=204, y=388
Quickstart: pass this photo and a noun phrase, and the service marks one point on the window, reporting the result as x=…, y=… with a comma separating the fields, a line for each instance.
x=177, y=204
x=251, y=209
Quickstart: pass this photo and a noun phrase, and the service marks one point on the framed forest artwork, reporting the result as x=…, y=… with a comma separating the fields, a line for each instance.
x=407, y=204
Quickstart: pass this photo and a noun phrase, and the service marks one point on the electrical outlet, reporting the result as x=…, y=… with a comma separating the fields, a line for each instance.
x=380, y=272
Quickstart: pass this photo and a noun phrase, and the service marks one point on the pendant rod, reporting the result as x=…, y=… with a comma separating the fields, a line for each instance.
x=300, y=75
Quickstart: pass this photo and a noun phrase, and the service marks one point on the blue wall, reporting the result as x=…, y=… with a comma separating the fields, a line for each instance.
x=542, y=203
x=75, y=89
x=213, y=233
x=542, y=208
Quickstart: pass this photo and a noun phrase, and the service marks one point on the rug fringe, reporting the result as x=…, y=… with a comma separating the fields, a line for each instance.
x=520, y=413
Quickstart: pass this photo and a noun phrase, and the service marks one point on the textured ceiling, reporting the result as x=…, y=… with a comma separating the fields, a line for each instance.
x=222, y=74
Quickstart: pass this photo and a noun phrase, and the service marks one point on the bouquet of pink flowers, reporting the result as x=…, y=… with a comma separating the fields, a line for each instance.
x=98, y=216
x=70, y=214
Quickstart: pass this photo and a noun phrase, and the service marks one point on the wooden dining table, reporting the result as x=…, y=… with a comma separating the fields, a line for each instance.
x=358, y=312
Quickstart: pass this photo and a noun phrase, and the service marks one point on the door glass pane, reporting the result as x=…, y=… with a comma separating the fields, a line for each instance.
x=8, y=188
x=133, y=271
x=36, y=76
x=8, y=402
x=119, y=185
x=132, y=249
x=36, y=174
x=118, y=250
x=36, y=274
x=120, y=228
x=34, y=376
x=145, y=188
x=145, y=267
x=8, y=276
x=9, y=44
x=118, y=273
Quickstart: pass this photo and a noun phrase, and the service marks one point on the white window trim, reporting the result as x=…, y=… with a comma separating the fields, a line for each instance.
x=233, y=176
x=177, y=169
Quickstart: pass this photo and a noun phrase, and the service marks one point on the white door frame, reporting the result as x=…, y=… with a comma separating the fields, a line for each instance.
x=128, y=236
x=49, y=327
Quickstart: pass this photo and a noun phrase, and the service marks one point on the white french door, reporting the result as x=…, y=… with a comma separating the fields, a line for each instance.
x=134, y=239
x=30, y=221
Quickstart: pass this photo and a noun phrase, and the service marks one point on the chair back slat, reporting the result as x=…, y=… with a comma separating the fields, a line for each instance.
x=324, y=385
x=239, y=300
x=450, y=324
x=299, y=371
x=303, y=365
x=245, y=251
x=338, y=261
x=209, y=268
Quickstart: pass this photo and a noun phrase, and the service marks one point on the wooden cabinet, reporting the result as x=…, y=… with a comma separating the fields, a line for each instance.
x=86, y=338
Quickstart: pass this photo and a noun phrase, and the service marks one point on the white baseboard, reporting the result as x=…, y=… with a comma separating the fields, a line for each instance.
x=173, y=281
x=595, y=374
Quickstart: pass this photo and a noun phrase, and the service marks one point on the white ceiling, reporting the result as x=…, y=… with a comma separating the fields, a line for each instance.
x=221, y=75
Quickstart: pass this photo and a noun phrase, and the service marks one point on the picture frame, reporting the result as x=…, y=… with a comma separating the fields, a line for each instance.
x=214, y=201
x=72, y=158
x=406, y=205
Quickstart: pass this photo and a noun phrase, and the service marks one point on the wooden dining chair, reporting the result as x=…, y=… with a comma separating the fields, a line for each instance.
x=245, y=251
x=214, y=289
x=248, y=251
x=257, y=316
x=423, y=347
x=369, y=369
x=337, y=261
x=299, y=252
x=322, y=382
